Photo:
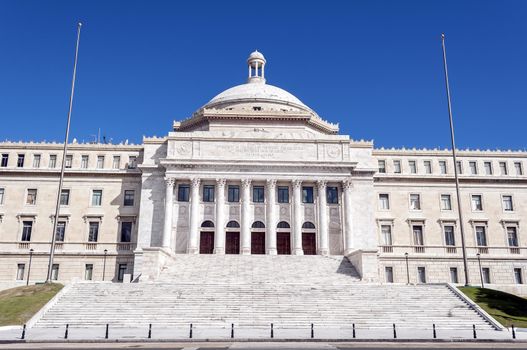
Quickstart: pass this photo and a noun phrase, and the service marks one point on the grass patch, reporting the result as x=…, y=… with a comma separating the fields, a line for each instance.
x=507, y=309
x=18, y=305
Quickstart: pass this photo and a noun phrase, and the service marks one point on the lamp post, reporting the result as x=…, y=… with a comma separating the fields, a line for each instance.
x=480, y=270
x=407, y=268
x=29, y=268
x=104, y=264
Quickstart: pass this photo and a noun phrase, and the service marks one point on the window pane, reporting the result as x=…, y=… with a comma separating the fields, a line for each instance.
x=5, y=160
x=418, y=235
x=88, y=274
x=473, y=168
x=55, y=272
x=100, y=162
x=96, y=198
x=518, y=278
x=518, y=167
x=36, y=161
x=53, y=161
x=384, y=201
x=258, y=194
x=442, y=167
x=20, y=161
x=449, y=235
x=132, y=162
x=453, y=275
x=503, y=168
x=31, y=197
x=389, y=274
x=208, y=193
x=512, y=236
x=116, y=162
x=68, y=161
x=183, y=193
x=233, y=194
x=481, y=236
x=283, y=194
x=27, y=227
x=61, y=230
x=332, y=196
x=397, y=166
x=93, y=231
x=507, y=203
x=486, y=275
x=126, y=231
x=20, y=272
x=2, y=191
x=84, y=162
x=386, y=231
x=415, y=202
x=488, y=168
x=382, y=166
x=476, y=203
x=65, y=197
x=428, y=167
x=413, y=166
x=129, y=198
x=307, y=194
x=446, y=203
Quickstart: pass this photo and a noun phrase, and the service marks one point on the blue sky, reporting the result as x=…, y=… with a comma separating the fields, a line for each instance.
x=373, y=66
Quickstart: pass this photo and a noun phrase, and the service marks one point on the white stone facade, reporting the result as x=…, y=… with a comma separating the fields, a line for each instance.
x=256, y=171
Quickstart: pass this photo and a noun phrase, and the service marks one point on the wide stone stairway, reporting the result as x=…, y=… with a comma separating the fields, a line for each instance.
x=259, y=290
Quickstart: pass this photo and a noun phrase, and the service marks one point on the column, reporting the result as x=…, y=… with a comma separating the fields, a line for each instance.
x=271, y=217
x=322, y=219
x=297, y=219
x=219, y=237
x=348, y=234
x=169, y=200
x=246, y=217
x=194, y=217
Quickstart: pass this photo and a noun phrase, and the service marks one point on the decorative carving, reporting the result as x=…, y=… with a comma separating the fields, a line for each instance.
x=283, y=210
x=184, y=148
x=333, y=151
x=297, y=183
x=221, y=183
x=258, y=211
x=347, y=184
x=170, y=181
x=271, y=183
x=195, y=182
x=322, y=185
x=246, y=183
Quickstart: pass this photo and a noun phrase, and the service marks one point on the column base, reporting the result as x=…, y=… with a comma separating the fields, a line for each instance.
x=246, y=251
x=298, y=251
x=324, y=252
x=192, y=251
x=272, y=251
x=219, y=250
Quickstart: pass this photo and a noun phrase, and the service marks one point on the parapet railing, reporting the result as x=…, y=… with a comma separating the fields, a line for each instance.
x=451, y=250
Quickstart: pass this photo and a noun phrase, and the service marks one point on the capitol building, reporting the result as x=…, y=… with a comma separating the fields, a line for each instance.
x=255, y=171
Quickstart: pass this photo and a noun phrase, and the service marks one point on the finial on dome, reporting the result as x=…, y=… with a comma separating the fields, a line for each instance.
x=256, y=63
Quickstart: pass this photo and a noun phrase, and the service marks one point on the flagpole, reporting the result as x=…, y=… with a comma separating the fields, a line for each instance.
x=460, y=212
x=61, y=181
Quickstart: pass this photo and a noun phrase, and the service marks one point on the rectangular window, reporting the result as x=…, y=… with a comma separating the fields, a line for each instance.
x=481, y=236
x=258, y=194
x=20, y=271
x=129, y=198
x=31, y=198
x=55, y=272
x=283, y=194
x=20, y=161
x=421, y=274
x=428, y=166
x=233, y=194
x=413, y=166
x=208, y=193
x=52, y=161
x=477, y=204
x=2, y=191
x=415, y=201
x=5, y=160
x=36, y=161
x=68, y=161
x=450, y=239
x=388, y=272
x=512, y=236
x=488, y=168
x=442, y=167
x=126, y=231
x=88, y=272
x=61, y=231
x=183, y=193
x=384, y=201
x=459, y=167
x=100, y=162
x=307, y=195
x=65, y=197
x=446, y=203
x=132, y=162
x=386, y=231
x=507, y=203
x=453, y=275
x=486, y=274
x=27, y=228
x=332, y=195
x=518, y=278
x=503, y=168
x=418, y=235
x=397, y=166
x=473, y=166
x=84, y=162
x=93, y=232
x=96, y=198
x=518, y=168
x=382, y=166
x=116, y=164
x=121, y=272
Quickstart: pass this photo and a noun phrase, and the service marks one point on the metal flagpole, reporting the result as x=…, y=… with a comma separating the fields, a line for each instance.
x=460, y=212
x=57, y=208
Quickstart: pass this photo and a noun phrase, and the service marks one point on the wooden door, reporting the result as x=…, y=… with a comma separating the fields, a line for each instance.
x=283, y=243
x=258, y=243
x=309, y=243
x=206, y=243
x=232, y=243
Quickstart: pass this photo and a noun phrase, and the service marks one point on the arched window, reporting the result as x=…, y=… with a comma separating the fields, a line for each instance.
x=283, y=224
x=258, y=224
x=233, y=224
x=207, y=223
x=308, y=224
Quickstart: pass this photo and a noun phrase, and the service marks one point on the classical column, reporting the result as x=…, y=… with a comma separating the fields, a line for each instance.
x=169, y=200
x=194, y=217
x=297, y=219
x=322, y=219
x=271, y=217
x=246, y=216
x=219, y=237
x=348, y=232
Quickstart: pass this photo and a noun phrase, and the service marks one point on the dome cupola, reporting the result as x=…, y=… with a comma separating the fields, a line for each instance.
x=256, y=63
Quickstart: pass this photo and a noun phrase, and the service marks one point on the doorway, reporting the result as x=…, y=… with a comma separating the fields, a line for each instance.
x=206, y=242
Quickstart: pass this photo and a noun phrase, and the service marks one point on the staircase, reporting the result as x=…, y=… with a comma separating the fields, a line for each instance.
x=259, y=290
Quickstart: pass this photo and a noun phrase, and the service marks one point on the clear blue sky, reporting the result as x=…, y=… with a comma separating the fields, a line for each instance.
x=373, y=66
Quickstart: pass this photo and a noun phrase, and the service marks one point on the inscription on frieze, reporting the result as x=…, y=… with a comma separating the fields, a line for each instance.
x=258, y=150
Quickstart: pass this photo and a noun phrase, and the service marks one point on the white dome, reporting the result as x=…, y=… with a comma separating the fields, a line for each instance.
x=256, y=55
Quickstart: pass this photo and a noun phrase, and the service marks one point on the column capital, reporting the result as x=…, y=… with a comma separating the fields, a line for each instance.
x=322, y=184
x=195, y=181
x=221, y=183
x=347, y=184
x=297, y=183
x=271, y=183
x=170, y=181
x=246, y=183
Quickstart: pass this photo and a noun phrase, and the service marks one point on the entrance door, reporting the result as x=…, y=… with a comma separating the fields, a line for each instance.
x=206, y=243
x=309, y=243
x=258, y=243
x=232, y=243
x=283, y=243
